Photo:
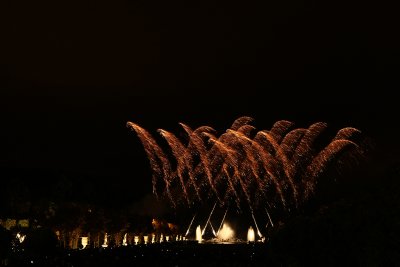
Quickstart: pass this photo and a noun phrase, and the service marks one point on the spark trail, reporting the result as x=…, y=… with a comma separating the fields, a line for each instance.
x=243, y=165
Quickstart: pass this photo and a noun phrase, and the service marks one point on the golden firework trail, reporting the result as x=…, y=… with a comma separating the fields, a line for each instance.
x=243, y=164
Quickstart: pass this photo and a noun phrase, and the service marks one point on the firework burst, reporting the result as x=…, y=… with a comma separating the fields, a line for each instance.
x=242, y=165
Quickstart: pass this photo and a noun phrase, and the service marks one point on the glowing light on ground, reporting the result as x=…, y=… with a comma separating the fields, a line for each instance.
x=125, y=241
x=20, y=237
x=251, y=237
x=105, y=242
x=226, y=233
x=84, y=241
x=199, y=236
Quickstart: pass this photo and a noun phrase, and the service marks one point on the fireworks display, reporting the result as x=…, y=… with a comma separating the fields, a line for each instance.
x=242, y=165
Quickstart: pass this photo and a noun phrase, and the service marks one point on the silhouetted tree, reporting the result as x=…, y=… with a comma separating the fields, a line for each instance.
x=41, y=241
x=5, y=242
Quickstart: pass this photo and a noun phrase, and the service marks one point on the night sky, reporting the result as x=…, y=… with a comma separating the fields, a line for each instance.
x=72, y=73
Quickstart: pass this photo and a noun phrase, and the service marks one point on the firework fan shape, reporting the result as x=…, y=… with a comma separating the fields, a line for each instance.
x=242, y=165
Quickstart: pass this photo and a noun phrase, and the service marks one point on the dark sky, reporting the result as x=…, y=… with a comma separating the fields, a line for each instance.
x=73, y=72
